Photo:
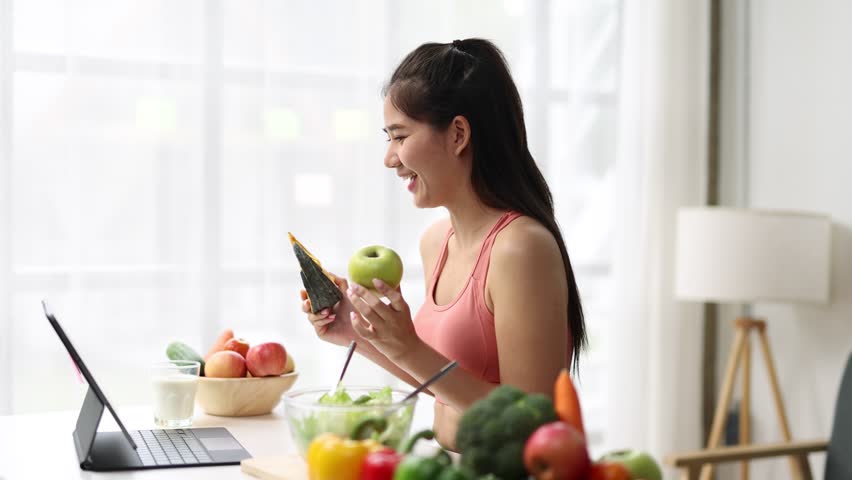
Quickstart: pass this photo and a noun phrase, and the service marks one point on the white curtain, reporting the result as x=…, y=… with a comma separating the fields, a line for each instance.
x=154, y=154
x=654, y=399
x=5, y=153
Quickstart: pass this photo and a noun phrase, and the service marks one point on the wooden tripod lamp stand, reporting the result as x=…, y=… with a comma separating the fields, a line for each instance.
x=747, y=256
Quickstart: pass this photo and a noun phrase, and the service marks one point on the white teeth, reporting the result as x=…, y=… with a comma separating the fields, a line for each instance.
x=409, y=177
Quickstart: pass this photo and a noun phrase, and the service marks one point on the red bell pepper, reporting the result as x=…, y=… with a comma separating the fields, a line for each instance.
x=381, y=465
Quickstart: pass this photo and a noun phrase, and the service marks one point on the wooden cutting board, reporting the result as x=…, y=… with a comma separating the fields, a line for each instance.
x=276, y=467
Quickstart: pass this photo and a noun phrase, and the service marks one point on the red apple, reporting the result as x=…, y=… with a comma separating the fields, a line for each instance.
x=556, y=451
x=237, y=345
x=291, y=364
x=266, y=359
x=608, y=471
x=225, y=364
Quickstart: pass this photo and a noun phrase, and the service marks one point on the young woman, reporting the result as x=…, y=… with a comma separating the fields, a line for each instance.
x=501, y=298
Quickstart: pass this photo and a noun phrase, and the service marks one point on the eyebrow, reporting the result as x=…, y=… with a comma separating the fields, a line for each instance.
x=391, y=128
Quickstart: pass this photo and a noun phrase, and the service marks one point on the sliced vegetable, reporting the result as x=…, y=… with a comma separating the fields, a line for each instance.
x=339, y=397
x=319, y=285
x=344, y=421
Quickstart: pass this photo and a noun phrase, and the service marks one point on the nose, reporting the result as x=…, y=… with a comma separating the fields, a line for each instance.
x=391, y=158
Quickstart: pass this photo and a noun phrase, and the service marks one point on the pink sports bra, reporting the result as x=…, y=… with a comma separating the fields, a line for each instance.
x=463, y=330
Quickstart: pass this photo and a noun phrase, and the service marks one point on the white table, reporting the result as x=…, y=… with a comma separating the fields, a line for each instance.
x=39, y=446
x=36, y=446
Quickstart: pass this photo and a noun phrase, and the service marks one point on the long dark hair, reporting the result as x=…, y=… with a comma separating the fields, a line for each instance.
x=438, y=81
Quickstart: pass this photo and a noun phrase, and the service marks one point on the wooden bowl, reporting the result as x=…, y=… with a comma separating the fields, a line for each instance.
x=242, y=397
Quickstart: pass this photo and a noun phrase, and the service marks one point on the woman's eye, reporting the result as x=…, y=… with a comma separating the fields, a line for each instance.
x=399, y=139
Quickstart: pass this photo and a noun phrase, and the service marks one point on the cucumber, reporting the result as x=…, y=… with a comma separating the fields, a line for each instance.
x=182, y=351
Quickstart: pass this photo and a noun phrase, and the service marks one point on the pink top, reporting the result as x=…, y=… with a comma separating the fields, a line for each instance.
x=463, y=330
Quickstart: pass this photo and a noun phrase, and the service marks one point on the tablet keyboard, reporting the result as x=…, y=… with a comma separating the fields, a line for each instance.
x=169, y=447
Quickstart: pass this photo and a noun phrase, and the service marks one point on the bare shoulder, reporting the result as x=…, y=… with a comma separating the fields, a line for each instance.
x=525, y=252
x=527, y=240
x=431, y=240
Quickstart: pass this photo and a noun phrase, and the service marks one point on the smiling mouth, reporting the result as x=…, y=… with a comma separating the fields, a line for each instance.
x=411, y=180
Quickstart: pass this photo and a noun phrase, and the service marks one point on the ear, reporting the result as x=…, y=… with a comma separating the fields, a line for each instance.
x=459, y=133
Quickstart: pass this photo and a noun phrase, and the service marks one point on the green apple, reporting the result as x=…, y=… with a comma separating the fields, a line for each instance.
x=640, y=464
x=375, y=261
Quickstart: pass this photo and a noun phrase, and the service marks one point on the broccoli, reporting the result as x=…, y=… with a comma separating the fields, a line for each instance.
x=493, y=431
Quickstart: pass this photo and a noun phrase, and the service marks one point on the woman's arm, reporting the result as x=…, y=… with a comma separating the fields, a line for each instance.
x=528, y=290
x=460, y=389
x=368, y=351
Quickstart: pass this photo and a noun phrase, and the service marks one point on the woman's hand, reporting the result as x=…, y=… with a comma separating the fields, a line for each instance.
x=324, y=321
x=387, y=326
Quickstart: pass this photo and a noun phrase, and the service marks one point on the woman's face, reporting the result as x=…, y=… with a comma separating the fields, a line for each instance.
x=421, y=158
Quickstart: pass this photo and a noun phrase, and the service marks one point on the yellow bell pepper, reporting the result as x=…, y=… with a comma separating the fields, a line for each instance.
x=331, y=457
x=334, y=458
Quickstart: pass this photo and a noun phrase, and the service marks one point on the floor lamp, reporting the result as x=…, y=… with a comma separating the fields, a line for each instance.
x=747, y=256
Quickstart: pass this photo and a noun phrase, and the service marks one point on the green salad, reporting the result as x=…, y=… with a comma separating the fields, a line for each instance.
x=342, y=422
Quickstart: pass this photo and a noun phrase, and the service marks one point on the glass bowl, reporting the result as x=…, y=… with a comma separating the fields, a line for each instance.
x=307, y=418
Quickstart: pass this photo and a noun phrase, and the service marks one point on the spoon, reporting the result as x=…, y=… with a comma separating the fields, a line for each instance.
x=434, y=378
x=349, y=353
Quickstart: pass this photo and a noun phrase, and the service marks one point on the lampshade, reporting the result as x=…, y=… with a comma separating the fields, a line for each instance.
x=732, y=255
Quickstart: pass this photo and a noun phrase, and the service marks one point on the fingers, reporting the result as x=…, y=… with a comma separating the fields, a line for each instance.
x=361, y=326
x=322, y=320
x=323, y=323
x=342, y=283
x=326, y=312
x=319, y=319
x=322, y=316
x=395, y=296
x=367, y=302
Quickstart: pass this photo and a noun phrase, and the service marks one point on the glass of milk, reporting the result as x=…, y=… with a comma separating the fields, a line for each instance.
x=174, y=384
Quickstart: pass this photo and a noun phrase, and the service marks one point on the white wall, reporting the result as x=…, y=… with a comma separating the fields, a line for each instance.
x=798, y=149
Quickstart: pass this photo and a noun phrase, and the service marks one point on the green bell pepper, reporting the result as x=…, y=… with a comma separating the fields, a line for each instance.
x=422, y=468
x=455, y=473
